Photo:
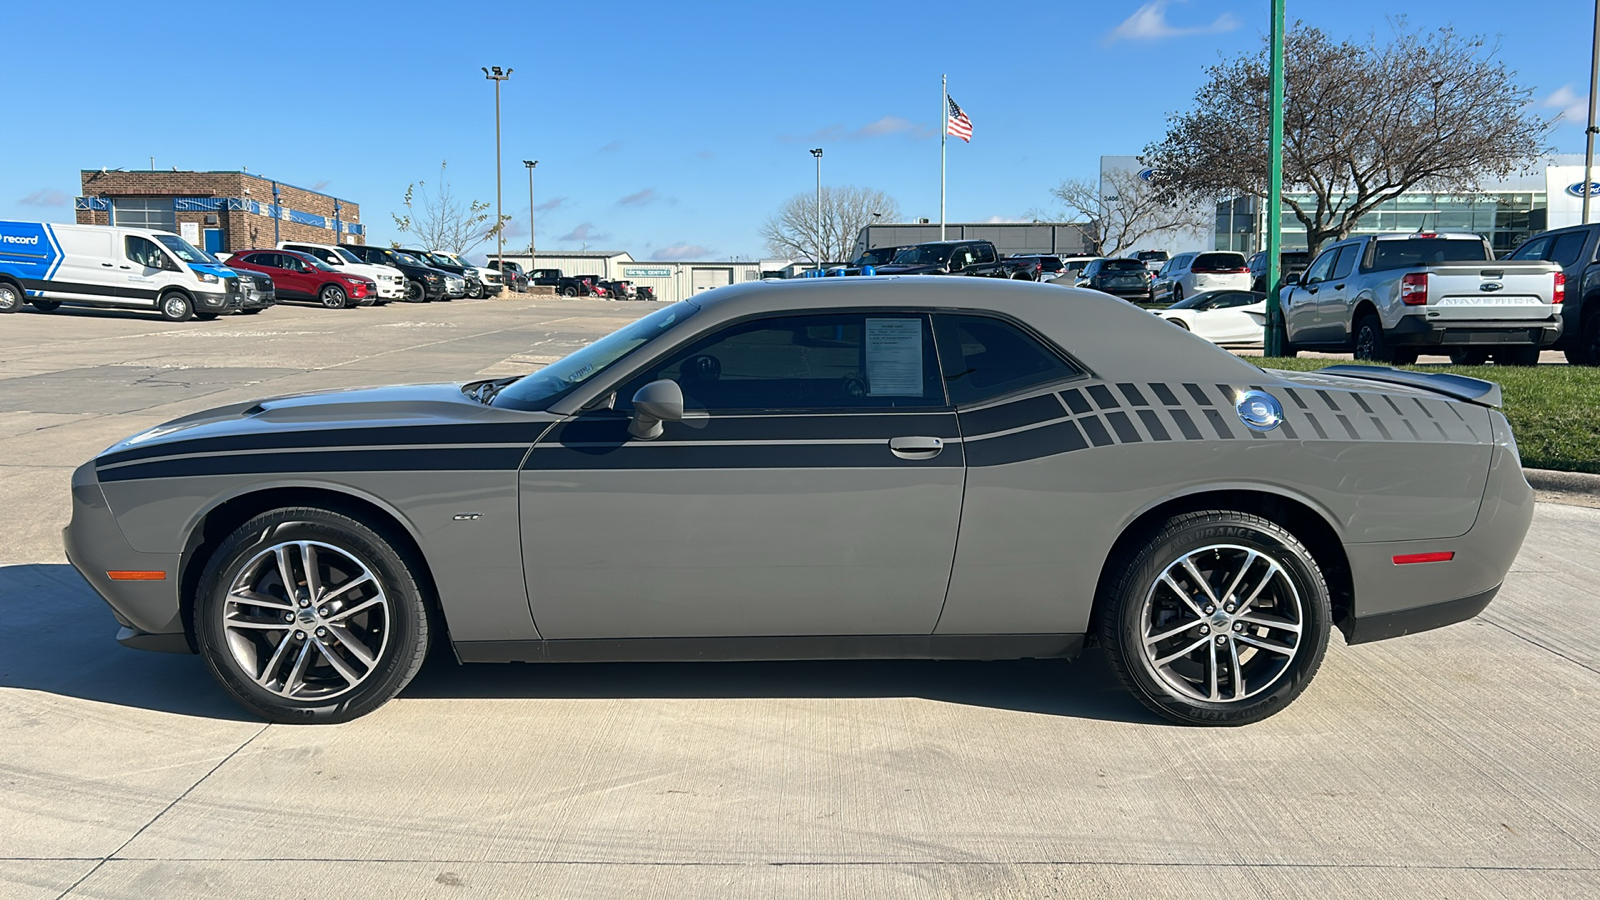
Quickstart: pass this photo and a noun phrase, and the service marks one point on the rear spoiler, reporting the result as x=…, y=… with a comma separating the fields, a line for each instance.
x=1472, y=390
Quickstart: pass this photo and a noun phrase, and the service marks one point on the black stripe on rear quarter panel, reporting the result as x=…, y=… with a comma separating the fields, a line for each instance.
x=1035, y=443
x=1096, y=430
x=1219, y=424
x=1131, y=391
x=1126, y=433
x=1198, y=395
x=1185, y=424
x=1007, y=416
x=1164, y=394
x=1152, y=424
x=1102, y=396
x=1075, y=401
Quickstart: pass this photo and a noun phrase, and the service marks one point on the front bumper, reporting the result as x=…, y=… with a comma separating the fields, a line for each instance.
x=1392, y=600
x=211, y=302
x=254, y=299
x=147, y=610
x=1419, y=331
x=389, y=290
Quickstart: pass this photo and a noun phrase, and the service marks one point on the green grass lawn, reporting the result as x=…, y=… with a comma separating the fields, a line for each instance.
x=1555, y=410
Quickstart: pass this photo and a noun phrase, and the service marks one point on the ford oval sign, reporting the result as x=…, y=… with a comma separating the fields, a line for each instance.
x=1146, y=174
x=1576, y=189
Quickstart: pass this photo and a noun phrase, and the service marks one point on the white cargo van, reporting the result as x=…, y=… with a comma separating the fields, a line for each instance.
x=46, y=265
x=391, y=281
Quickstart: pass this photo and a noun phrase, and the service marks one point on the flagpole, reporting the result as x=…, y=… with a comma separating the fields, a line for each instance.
x=944, y=134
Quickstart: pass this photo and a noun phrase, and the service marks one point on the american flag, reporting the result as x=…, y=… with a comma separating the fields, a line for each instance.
x=956, y=122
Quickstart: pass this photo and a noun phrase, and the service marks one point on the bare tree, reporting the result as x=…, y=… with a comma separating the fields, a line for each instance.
x=441, y=222
x=1363, y=122
x=1125, y=210
x=794, y=231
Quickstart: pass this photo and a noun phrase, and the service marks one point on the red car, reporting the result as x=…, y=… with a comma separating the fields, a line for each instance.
x=301, y=276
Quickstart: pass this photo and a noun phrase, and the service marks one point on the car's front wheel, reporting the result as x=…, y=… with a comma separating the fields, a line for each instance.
x=176, y=307
x=1517, y=356
x=333, y=297
x=10, y=297
x=1586, y=352
x=307, y=615
x=1219, y=617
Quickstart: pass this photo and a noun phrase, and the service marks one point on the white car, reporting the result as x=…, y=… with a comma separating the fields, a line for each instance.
x=1193, y=273
x=1221, y=317
x=391, y=281
x=490, y=281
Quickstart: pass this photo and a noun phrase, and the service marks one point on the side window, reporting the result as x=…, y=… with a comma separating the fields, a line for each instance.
x=1533, y=249
x=1568, y=247
x=1345, y=262
x=1319, y=270
x=806, y=362
x=985, y=357
x=985, y=253
x=145, y=253
x=1181, y=263
x=291, y=263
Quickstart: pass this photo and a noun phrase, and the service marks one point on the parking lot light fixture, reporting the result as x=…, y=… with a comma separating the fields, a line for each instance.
x=817, y=152
x=532, y=245
x=498, y=76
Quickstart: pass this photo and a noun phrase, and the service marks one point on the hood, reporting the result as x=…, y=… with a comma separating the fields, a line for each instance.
x=219, y=270
x=397, y=406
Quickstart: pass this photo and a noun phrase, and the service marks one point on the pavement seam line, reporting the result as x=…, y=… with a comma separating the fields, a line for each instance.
x=1519, y=635
x=164, y=810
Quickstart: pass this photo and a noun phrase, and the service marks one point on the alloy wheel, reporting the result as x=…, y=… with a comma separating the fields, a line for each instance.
x=306, y=620
x=1221, y=624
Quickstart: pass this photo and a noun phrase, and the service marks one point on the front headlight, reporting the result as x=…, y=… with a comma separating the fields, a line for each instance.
x=207, y=278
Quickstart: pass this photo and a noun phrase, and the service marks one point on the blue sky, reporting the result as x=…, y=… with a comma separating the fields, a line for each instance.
x=668, y=130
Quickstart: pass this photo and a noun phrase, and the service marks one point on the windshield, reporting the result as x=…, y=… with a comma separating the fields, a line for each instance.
x=347, y=256
x=536, y=391
x=186, y=251
x=927, y=255
x=1406, y=252
x=876, y=256
x=1122, y=265
x=409, y=260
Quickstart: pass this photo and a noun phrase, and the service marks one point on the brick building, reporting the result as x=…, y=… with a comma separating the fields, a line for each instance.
x=218, y=211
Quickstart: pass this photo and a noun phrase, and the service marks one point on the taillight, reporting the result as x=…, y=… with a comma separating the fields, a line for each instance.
x=1559, y=295
x=1406, y=559
x=1414, y=288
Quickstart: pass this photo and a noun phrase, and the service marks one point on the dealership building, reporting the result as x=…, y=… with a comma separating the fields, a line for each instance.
x=218, y=211
x=672, y=281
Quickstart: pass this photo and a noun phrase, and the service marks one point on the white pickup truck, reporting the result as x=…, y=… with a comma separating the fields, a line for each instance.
x=1390, y=297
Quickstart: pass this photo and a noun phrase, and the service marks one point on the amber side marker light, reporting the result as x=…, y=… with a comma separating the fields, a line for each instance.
x=1440, y=556
x=136, y=576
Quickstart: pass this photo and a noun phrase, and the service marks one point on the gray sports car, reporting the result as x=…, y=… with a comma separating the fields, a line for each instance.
x=863, y=467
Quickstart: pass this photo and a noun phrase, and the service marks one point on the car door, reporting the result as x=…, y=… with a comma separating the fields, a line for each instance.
x=1335, y=299
x=302, y=279
x=150, y=266
x=1299, y=302
x=272, y=264
x=813, y=487
x=1225, y=318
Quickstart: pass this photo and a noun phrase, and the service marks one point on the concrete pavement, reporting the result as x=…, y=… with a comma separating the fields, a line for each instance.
x=1457, y=763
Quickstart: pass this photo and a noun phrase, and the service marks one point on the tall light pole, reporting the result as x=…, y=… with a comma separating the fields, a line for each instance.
x=1273, y=345
x=531, y=164
x=1589, y=133
x=818, y=154
x=499, y=217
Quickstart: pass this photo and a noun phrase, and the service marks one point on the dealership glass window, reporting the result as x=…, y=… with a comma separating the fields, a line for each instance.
x=1532, y=249
x=154, y=213
x=814, y=362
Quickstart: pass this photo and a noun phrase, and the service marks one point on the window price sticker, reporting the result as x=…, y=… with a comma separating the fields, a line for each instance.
x=894, y=357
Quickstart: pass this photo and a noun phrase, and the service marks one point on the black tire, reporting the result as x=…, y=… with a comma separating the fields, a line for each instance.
x=1137, y=601
x=1403, y=357
x=1587, y=351
x=249, y=312
x=569, y=292
x=11, y=297
x=1517, y=356
x=1370, y=343
x=1181, y=324
x=416, y=292
x=333, y=297
x=206, y=317
x=1177, y=293
x=175, y=306
x=399, y=626
x=1468, y=356
x=45, y=305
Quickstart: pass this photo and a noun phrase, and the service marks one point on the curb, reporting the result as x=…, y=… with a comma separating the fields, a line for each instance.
x=1564, y=482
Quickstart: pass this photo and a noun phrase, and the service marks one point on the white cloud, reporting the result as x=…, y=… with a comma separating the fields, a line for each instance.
x=884, y=126
x=641, y=198
x=1573, y=106
x=585, y=232
x=681, y=251
x=1149, y=23
x=46, y=197
x=1006, y=220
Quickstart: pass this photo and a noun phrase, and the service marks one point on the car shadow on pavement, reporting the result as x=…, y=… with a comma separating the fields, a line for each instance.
x=1083, y=688
x=60, y=639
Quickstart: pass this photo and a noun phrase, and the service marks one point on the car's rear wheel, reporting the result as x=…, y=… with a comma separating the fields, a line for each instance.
x=45, y=305
x=176, y=307
x=10, y=297
x=307, y=615
x=206, y=317
x=250, y=312
x=416, y=292
x=1217, y=618
x=333, y=297
x=1468, y=356
x=1177, y=293
x=569, y=292
x=1517, y=356
x=1370, y=343
x=1587, y=351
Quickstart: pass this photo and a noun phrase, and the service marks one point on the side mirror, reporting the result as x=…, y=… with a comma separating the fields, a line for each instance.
x=1292, y=279
x=656, y=402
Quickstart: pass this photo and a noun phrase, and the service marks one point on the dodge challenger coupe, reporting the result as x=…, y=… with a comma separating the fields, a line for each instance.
x=888, y=467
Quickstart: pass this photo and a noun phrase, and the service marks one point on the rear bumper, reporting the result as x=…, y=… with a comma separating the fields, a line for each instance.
x=1395, y=599
x=1417, y=331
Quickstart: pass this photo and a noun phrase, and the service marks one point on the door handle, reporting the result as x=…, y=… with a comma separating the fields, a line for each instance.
x=1338, y=287
x=107, y=265
x=916, y=447
x=127, y=267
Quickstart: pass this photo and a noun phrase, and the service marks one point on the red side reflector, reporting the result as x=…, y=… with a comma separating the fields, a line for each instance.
x=136, y=576
x=1438, y=556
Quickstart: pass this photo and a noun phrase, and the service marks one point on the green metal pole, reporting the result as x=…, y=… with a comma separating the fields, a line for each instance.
x=1275, y=330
